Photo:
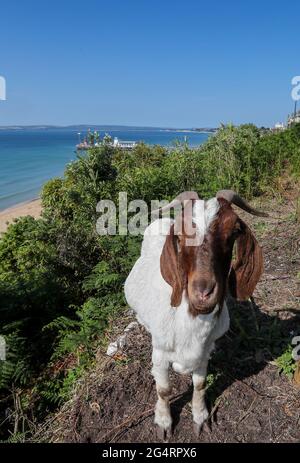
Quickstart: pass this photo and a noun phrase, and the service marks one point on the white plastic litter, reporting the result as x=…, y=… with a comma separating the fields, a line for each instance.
x=120, y=342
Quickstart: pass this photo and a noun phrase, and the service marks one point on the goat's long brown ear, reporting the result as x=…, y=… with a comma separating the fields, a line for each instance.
x=248, y=266
x=170, y=268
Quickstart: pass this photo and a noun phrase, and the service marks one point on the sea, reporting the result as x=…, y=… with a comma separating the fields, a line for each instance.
x=30, y=157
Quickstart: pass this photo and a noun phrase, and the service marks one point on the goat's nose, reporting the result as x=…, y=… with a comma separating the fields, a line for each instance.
x=205, y=288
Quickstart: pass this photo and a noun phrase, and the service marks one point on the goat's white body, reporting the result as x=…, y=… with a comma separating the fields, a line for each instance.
x=177, y=337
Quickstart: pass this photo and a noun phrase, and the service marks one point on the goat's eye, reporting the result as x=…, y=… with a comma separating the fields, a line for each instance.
x=237, y=230
x=180, y=239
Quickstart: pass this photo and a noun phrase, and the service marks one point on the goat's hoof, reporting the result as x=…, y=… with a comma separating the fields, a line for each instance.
x=197, y=429
x=206, y=427
x=164, y=422
x=164, y=434
x=200, y=422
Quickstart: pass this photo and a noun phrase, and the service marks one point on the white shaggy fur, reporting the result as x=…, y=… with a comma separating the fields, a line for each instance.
x=178, y=339
x=204, y=213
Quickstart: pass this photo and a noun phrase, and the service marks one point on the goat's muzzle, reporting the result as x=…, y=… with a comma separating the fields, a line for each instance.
x=203, y=295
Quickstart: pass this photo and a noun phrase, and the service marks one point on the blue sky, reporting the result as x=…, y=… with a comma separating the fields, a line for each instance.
x=151, y=63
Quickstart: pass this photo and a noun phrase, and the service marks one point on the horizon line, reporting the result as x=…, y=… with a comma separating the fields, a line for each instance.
x=104, y=125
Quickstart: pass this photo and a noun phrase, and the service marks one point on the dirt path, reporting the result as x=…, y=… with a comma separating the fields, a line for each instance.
x=249, y=400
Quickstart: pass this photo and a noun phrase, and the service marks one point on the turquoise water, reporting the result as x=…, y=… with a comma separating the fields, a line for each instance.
x=28, y=158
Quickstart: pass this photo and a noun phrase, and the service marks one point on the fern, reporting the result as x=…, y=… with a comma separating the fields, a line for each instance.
x=101, y=277
x=16, y=365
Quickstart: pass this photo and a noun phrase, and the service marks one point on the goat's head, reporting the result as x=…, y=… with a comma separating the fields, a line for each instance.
x=197, y=255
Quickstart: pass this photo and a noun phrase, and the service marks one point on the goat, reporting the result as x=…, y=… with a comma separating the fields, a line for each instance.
x=178, y=290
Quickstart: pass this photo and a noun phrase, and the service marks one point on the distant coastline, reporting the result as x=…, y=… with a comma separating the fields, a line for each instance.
x=108, y=128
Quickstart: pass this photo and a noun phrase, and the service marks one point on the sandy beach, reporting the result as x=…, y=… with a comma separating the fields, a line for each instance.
x=7, y=216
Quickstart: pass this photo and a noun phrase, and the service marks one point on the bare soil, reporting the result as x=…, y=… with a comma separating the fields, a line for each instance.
x=248, y=398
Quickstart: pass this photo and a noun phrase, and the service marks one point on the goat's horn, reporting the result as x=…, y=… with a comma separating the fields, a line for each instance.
x=234, y=198
x=185, y=196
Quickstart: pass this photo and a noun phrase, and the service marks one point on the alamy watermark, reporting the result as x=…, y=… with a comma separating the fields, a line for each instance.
x=2, y=349
x=296, y=88
x=296, y=350
x=134, y=217
x=2, y=88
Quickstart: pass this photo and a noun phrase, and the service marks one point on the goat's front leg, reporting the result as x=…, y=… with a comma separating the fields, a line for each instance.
x=200, y=413
x=160, y=371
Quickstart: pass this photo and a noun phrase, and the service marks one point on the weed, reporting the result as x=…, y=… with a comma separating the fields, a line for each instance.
x=286, y=363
